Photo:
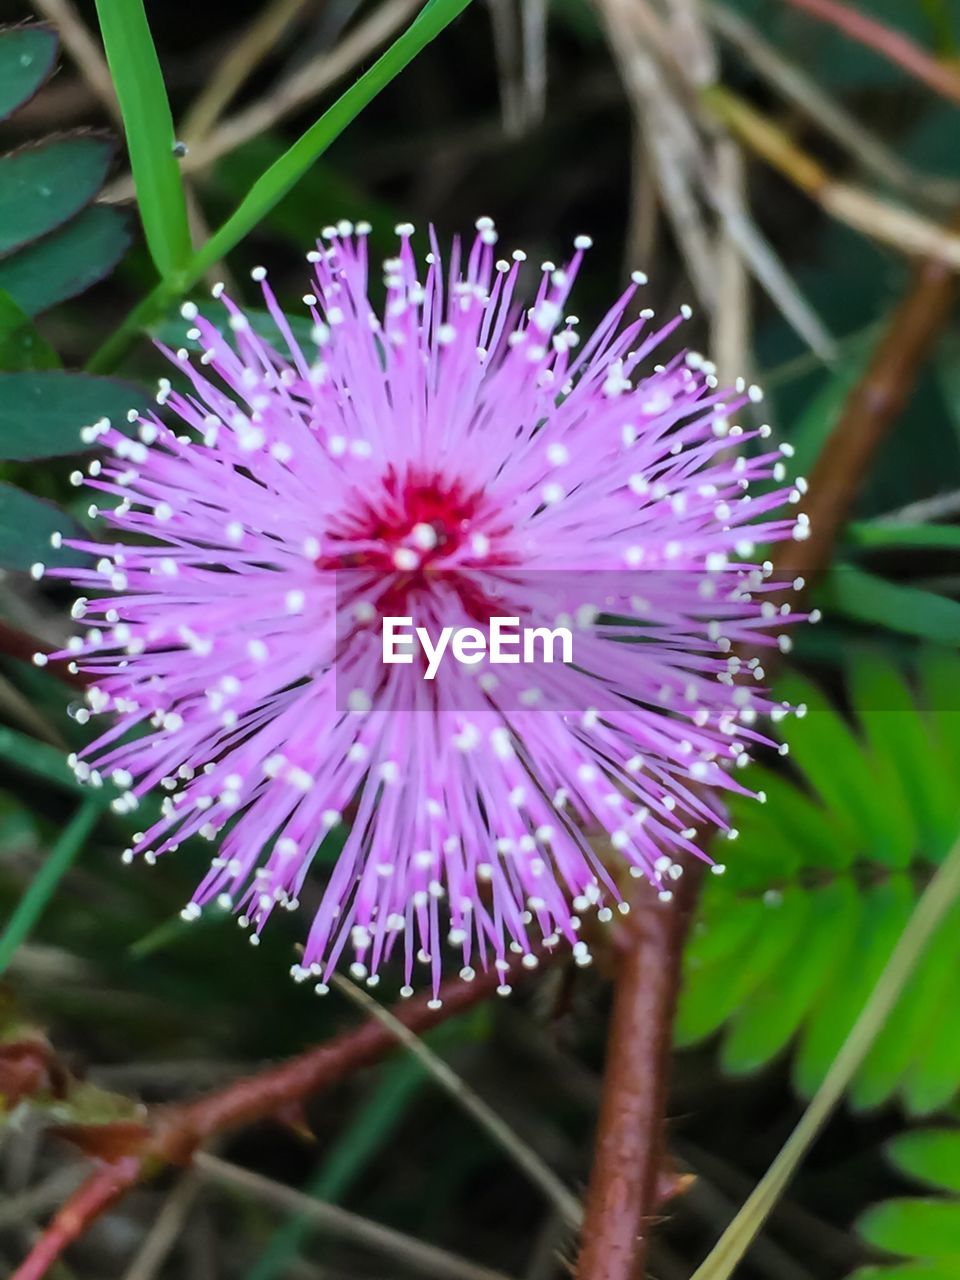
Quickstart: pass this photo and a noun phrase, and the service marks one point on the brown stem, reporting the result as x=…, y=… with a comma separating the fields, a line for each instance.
x=621, y=1196
x=176, y=1132
x=629, y=1146
x=92, y=1198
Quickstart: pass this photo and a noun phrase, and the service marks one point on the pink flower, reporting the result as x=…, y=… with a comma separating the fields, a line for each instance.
x=451, y=460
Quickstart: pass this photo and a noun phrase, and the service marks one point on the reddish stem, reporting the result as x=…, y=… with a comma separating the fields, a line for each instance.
x=176, y=1132
x=886, y=41
x=621, y=1197
x=629, y=1147
x=102, y=1189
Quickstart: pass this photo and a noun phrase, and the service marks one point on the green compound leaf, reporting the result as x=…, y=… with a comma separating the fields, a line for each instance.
x=67, y=261
x=925, y=1229
x=27, y=55
x=929, y=1155
x=41, y=414
x=26, y=526
x=45, y=185
x=789, y=941
x=21, y=347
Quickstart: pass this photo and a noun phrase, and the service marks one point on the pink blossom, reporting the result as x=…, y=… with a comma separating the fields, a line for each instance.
x=450, y=458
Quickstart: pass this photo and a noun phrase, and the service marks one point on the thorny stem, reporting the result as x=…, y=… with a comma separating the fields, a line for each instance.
x=94, y=1197
x=175, y=1133
x=629, y=1144
x=621, y=1194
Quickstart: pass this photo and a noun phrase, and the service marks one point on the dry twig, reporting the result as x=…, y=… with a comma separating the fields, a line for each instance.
x=232, y=73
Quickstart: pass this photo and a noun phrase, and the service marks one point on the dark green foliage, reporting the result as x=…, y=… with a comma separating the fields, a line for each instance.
x=27, y=55
x=42, y=414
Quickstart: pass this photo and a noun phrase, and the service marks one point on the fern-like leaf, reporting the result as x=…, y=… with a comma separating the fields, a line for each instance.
x=789, y=942
x=921, y=1232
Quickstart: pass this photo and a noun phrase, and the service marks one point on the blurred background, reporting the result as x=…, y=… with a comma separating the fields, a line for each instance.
x=781, y=177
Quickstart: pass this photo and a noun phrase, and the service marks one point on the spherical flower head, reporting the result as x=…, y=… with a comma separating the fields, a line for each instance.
x=448, y=460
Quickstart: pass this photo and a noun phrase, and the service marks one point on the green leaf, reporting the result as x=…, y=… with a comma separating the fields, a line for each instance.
x=52, y=870
x=284, y=173
x=21, y=347
x=40, y=759
x=902, y=1271
x=825, y=749
x=27, y=55
x=281, y=177
x=770, y=1018
x=938, y=898
x=43, y=186
x=931, y=1080
x=940, y=681
x=886, y=908
x=925, y=1229
x=889, y=533
x=872, y=600
x=905, y=749
x=862, y=808
x=41, y=414
x=723, y=987
x=900, y=1042
x=929, y=1155
x=26, y=526
x=148, y=125
x=68, y=261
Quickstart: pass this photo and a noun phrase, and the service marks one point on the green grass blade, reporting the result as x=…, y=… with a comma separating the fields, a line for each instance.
x=282, y=175
x=935, y=902
x=42, y=887
x=865, y=598
x=372, y=1128
x=294, y=163
x=40, y=759
x=148, y=124
x=887, y=533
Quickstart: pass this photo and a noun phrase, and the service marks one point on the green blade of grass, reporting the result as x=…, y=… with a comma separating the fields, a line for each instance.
x=373, y=1126
x=933, y=906
x=887, y=533
x=43, y=885
x=284, y=173
x=281, y=176
x=148, y=125
x=44, y=761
